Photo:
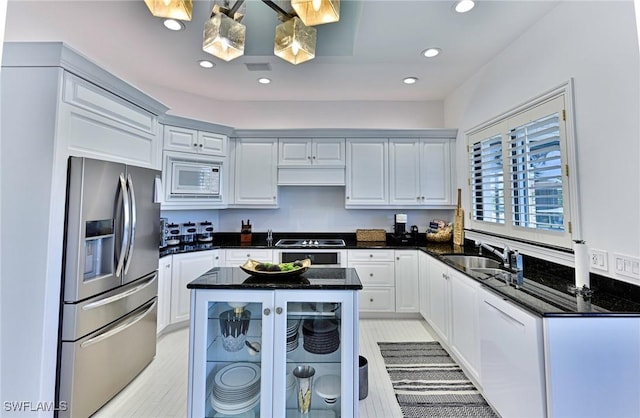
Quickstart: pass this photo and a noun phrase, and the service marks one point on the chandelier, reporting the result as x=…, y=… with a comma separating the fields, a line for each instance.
x=224, y=35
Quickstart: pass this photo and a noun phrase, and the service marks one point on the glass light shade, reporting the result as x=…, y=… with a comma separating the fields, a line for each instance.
x=171, y=9
x=224, y=37
x=317, y=12
x=295, y=42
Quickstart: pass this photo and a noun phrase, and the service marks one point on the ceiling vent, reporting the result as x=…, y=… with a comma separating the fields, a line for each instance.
x=258, y=66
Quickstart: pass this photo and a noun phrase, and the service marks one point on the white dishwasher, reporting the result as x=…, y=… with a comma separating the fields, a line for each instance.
x=511, y=353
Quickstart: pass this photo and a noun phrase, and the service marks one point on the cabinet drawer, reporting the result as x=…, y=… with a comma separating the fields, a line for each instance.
x=370, y=255
x=375, y=274
x=377, y=299
x=239, y=256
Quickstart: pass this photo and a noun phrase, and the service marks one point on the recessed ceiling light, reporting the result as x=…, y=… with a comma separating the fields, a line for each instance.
x=463, y=6
x=410, y=80
x=264, y=80
x=206, y=64
x=431, y=52
x=173, y=24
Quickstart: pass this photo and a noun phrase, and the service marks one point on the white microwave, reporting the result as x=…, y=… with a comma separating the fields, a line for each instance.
x=193, y=178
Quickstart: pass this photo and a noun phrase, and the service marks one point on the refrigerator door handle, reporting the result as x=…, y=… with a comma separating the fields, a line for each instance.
x=125, y=233
x=133, y=223
x=120, y=296
x=113, y=331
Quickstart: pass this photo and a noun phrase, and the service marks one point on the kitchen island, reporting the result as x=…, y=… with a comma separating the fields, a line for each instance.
x=247, y=335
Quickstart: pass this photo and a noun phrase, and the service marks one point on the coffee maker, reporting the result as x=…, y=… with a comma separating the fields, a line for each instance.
x=400, y=234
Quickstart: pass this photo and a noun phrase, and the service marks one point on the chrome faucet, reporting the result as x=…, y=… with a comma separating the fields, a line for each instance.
x=505, y=255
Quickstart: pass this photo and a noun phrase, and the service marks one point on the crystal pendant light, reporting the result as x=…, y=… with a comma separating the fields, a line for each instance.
x=171, y=9
x=224, y=37
x=317, y=12
x=294, y=41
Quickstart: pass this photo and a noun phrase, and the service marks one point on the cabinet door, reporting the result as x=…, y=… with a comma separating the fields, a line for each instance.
x=404, y=172
x=439, y=299
x=435, y=177
x=223, y=322
x=317, y=329
x=180, y=139
x=367, y=172
x=164, y=293
x=294, y=152
x=328, y=152
x=423, y=284
x=212, y=144
x=407, y=294
x=255, y=178
x=186, y=268
x=464, y=338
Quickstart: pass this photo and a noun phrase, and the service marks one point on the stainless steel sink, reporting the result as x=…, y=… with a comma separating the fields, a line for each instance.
x=473, y=261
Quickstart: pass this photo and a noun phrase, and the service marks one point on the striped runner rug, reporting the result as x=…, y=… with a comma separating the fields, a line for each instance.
x=428, y=382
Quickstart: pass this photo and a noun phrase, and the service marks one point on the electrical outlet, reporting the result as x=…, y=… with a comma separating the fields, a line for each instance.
x=598, y=260
x=627, y=266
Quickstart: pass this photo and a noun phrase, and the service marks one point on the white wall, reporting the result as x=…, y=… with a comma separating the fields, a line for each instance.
x=307, y=114
x=596, y=44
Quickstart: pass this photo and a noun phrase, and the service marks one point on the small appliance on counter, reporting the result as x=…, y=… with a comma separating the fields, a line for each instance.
x=205, y=231
x=400, y=235
x=173, y=234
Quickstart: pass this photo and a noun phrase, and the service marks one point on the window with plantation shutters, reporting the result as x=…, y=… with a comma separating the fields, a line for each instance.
x=487, y=180
x=518, y=178
x=536, y=174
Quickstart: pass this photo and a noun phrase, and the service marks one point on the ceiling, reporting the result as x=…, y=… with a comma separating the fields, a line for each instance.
x=364, y=56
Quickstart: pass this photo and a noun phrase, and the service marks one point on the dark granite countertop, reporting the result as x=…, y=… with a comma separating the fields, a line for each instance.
x=544, y=291
x=314, y=278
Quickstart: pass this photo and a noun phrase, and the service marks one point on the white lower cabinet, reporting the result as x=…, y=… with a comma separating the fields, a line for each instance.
x=164, y=292
x=235, y=257
x=280, y=321
x=376, y=270
x=406, y=279
x=186, y=268
x=438, y=296
x=464, y=338
x=453, y=313
x=512, y=362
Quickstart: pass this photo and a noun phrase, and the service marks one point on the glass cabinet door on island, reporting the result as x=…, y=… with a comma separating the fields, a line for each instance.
x=273, y=353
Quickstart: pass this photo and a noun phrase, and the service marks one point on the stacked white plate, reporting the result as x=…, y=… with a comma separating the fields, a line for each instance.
x=236, y=388
x=293, y=325
x=321, y=336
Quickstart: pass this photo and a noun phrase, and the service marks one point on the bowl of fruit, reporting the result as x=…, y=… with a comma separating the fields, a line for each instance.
x=258, y=268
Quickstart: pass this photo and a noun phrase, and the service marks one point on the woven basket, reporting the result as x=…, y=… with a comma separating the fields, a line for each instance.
x=443, y=235
x=371, y=235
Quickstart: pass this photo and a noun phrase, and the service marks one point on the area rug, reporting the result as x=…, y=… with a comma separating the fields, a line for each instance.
x=428, y=382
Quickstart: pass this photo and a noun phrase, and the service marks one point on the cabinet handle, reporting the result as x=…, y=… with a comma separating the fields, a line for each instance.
x=347, y=197
x=200, y=145
x=308, y=157
x=397, y=258
x=168, y=266
x=248, y=255
x=370, y=255
x=371, y=300
x=370, y=274
x=314, y=157
x=422, y=197
x=279, y=310
x=267, y=311
x=217, y=257
x=195, y=145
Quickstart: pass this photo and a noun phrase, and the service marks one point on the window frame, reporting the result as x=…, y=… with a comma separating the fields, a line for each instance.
x=562, y=96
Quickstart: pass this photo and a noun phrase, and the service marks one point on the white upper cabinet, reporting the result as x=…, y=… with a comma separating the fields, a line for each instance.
x=420, y=172
x=255, y=173
x=195, y=141
x=367, y=172
x=314, y=152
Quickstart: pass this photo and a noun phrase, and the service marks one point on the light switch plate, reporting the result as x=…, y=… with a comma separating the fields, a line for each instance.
x=627, y=266
x=598, y=260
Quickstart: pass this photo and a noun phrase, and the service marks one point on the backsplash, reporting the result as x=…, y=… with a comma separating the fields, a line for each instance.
x=309, y=209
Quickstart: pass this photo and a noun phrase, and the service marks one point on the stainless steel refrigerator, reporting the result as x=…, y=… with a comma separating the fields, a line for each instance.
x=109, y=288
